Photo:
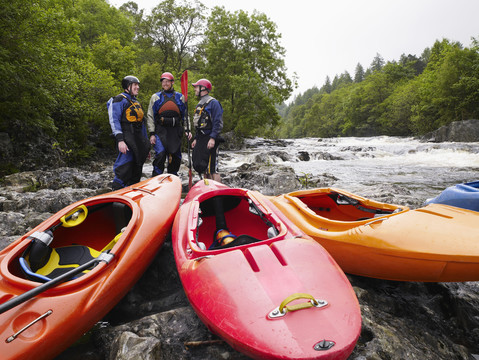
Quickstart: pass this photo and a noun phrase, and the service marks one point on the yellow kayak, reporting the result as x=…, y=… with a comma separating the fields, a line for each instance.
x=438, y=243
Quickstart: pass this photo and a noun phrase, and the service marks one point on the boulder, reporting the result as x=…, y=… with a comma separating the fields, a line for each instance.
x=457, y=131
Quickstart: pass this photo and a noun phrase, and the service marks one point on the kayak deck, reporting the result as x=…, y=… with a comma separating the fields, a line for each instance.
x=434, y=243
x=129, y=225
x=238, y=289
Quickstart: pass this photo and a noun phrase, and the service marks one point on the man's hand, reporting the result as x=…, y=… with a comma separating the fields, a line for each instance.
x=122, y=147
x=152, y=139
x=211, y=143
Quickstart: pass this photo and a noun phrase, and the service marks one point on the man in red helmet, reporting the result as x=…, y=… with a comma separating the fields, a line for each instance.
x=166, y=116
x=208, y=122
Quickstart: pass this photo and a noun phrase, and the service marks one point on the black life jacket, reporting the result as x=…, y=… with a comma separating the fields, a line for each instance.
x=201, y=118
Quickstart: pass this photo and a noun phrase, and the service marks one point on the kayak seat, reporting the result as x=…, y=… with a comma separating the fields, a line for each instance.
x=240, y=240
x=61, y=260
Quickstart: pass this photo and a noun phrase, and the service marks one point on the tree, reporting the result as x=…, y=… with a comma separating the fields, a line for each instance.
x=327, y=87
x=378, y=63
x=52, y=93
x=245, y=63
x=447, y=89
x=359, y=73
x=97, y=17
x=413, y=62
x=175, y=29
x=109, y=54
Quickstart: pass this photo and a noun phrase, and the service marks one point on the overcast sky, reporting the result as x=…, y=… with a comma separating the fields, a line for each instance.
x=328, y=37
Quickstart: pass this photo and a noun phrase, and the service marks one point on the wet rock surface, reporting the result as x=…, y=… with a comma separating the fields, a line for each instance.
x=401, y=320
x=459, y=131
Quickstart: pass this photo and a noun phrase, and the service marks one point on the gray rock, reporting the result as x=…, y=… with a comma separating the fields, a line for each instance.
x=269, y=179
x=458, y=131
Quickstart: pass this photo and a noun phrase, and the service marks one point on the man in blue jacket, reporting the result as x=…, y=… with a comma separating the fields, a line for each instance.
x=208, y=123
x=166, y=116
x=126, y=120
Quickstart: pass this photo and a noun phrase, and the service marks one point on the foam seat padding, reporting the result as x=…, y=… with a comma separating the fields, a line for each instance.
x=63, y=259
x=66, y=258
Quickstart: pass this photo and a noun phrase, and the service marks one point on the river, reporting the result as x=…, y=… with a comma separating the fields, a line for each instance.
x=362, y=165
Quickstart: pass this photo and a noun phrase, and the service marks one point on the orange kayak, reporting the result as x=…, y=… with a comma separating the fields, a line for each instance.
x=107, y=241
x=434, y=243
x=259, y=282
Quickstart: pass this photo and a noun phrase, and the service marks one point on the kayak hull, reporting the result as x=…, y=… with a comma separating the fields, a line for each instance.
x=436, y=243
x=464, y=196
x=234, y=290
x=65, y=312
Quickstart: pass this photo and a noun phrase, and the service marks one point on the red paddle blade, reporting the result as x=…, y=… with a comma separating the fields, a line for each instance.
x=184, y=84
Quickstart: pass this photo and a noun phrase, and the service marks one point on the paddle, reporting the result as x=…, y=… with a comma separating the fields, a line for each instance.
x=184, y=91
x=49, y=284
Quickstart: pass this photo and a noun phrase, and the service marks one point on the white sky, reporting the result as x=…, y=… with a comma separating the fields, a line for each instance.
x=328, y=37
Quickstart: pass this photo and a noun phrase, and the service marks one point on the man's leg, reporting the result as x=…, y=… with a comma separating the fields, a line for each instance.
x=160, y=157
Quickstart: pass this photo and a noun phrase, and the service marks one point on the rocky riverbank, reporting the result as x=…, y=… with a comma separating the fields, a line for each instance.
x=401, y=320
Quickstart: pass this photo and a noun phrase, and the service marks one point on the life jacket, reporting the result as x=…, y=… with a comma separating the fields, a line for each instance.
x=169, y=112
x=134, y=113
x=201, y=118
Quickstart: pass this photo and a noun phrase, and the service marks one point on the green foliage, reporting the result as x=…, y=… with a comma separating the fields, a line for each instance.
x=245, y=64
x=97, y=17
x=305, y=180
x=51, y=86
x=109, y=54
x=174, y=30
x=409, y=97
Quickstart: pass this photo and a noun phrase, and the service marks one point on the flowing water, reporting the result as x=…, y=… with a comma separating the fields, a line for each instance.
x=360, y=165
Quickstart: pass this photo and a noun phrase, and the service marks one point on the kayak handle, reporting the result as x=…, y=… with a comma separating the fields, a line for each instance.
x=284, y=308
x=74, y=217
x=14, y=336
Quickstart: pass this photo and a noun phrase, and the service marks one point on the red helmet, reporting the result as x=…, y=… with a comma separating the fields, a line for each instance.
x=205, y=83
x=167, y=76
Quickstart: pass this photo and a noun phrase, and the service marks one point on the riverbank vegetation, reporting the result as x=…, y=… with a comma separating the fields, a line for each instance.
x=61, y=60
x=410, y=96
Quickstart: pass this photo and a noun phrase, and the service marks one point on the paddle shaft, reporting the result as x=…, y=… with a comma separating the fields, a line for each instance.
x=39, y=289
x=184, y=91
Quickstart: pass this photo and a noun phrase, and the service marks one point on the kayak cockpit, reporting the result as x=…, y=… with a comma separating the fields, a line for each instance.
x=80, y=237
x=334, y=205
x=226, y=221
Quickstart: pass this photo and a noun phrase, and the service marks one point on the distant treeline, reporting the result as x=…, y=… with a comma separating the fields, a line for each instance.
x=61, y=60
x=410, y=96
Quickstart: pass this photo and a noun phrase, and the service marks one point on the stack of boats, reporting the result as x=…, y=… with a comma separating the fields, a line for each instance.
x=266, y=274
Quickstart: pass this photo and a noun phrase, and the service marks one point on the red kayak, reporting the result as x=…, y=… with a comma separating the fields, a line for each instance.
x=257, y=281
x=62, y=277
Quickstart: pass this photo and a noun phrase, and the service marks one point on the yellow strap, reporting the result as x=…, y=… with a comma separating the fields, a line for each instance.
x=300, y=306
x=112, y=243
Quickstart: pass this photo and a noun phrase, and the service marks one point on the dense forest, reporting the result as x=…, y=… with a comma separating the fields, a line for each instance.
x=61, y=60
x=410, y=96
